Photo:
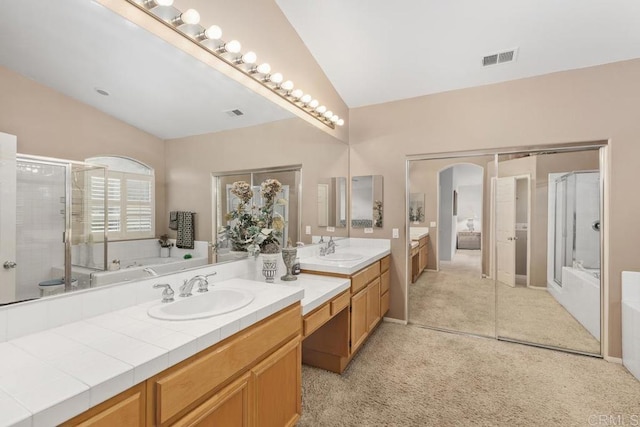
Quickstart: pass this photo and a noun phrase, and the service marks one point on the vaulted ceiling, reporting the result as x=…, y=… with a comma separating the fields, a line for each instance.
x=376, y=51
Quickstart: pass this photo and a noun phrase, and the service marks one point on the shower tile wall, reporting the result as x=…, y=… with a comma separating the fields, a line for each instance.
x=587, y=211
x=40, y=225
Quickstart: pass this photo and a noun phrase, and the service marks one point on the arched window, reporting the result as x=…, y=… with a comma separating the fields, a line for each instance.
x=130, y=199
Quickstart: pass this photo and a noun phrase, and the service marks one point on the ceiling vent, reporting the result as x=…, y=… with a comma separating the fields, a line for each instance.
x=500, y=58
x=234, y=113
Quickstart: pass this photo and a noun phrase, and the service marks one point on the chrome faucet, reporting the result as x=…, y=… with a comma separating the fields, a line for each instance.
x=203, y=284
x=167, y=293
x=331, y=246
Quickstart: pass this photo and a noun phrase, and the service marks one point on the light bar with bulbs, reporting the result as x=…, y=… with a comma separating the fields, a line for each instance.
x=187, y=23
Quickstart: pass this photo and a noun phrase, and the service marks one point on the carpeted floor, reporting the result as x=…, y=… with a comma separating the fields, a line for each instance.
x=411, y=376
x=458, y=298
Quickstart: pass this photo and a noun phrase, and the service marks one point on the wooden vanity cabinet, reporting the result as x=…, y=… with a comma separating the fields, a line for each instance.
x=423, y=245
x=419, y=258
x=252, y=378
x=369, y=301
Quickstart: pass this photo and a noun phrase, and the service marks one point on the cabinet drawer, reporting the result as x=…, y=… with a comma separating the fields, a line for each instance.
x=339, y=303
x=125, y=409
x=188, y=382
x=364, y=276
x=384, y=303
x=385, y=263
x=316, y=319
x=424, y=240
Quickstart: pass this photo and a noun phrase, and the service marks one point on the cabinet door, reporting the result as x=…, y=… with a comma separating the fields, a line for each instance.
x=126, y=409
x=228, y=407
x=423, y=258
x=358, y=319
x=276, y=387
x=373, y=304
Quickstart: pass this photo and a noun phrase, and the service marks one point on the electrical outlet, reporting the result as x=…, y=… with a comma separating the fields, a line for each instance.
x=368, y=231
x=395, y=233
x=432, y=224
x=307, y=229
x=331, y=229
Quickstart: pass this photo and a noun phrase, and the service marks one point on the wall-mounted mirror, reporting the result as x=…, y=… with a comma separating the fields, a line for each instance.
x=332, y=202
x=367, y=201
x=176, y=125
x=416, y=208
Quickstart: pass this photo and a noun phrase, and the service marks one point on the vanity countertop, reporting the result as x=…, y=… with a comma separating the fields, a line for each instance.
x=366, y=250
x=50, y=376
x=417, y=233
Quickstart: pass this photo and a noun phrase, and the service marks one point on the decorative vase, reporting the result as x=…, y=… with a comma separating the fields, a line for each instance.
x=270, y=266
x=165, y=252
x=289, y=258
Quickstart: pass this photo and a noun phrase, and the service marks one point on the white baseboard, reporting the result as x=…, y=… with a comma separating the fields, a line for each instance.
x=617, y=360
x=392, y=320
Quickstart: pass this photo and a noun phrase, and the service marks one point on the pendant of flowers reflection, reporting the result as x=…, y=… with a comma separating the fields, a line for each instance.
x=270, y=223
x=241, y=233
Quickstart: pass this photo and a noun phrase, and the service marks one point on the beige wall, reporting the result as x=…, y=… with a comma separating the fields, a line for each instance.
x=192, y=160
x=598, y=103
x=50, y=124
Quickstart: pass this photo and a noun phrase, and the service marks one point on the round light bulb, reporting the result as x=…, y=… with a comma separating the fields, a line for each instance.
x=288, y=85
x=249, y=58
x=190, y=17
x=340, y=122
x=321, y=109
x=213, y=32
x=297, y=94
x=314, y=103
x=335, y=118
x=276, y=78
x=328, y=114
x=233, y=46
x=263, y=68
x=305, y=98
x=164, y=2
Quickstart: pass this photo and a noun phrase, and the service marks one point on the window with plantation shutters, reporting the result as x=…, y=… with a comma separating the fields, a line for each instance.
x=129, y=199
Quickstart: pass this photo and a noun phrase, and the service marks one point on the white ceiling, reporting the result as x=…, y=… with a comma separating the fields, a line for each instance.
x=76, y=46
x=376, y=51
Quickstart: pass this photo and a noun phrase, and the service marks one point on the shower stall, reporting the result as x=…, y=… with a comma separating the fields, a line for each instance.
x=574, y=245
x=53, y=212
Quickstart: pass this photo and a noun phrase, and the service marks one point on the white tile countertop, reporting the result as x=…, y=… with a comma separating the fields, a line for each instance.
x=50, y=376
x=370, y=251
x=317, y=289
x=417, y=233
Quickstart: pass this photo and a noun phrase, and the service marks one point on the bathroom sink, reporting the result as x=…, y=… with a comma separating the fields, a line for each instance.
x=213, y=303
x=341, y=257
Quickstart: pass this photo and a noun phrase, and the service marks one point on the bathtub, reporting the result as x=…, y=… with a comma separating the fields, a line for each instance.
x=580, y=296
x=631, y=322
x=134, y=269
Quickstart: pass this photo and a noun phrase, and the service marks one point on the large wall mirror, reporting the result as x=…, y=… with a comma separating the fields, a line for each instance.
x=367, y=204
x=332, y=202
x=88, y=98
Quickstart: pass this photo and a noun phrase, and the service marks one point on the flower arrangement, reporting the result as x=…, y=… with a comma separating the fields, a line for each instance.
x=256, y=229
x=377, y=213
x=164, y=241
x=417, y=214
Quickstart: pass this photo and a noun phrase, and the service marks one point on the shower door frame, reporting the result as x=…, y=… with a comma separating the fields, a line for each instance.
x=602, y=147
x=68, y=232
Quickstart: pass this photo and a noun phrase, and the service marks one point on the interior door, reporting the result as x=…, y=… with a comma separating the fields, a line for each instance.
x=8, y=145
x=506, y=230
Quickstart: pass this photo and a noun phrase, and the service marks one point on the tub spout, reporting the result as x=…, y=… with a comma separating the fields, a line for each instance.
x=151, y=271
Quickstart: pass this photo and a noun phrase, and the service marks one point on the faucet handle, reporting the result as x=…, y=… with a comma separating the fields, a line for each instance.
x=167, y=293
x=203, y=285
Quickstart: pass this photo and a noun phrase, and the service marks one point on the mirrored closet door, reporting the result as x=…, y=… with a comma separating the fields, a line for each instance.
x=451, y=288
x=547, y=249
